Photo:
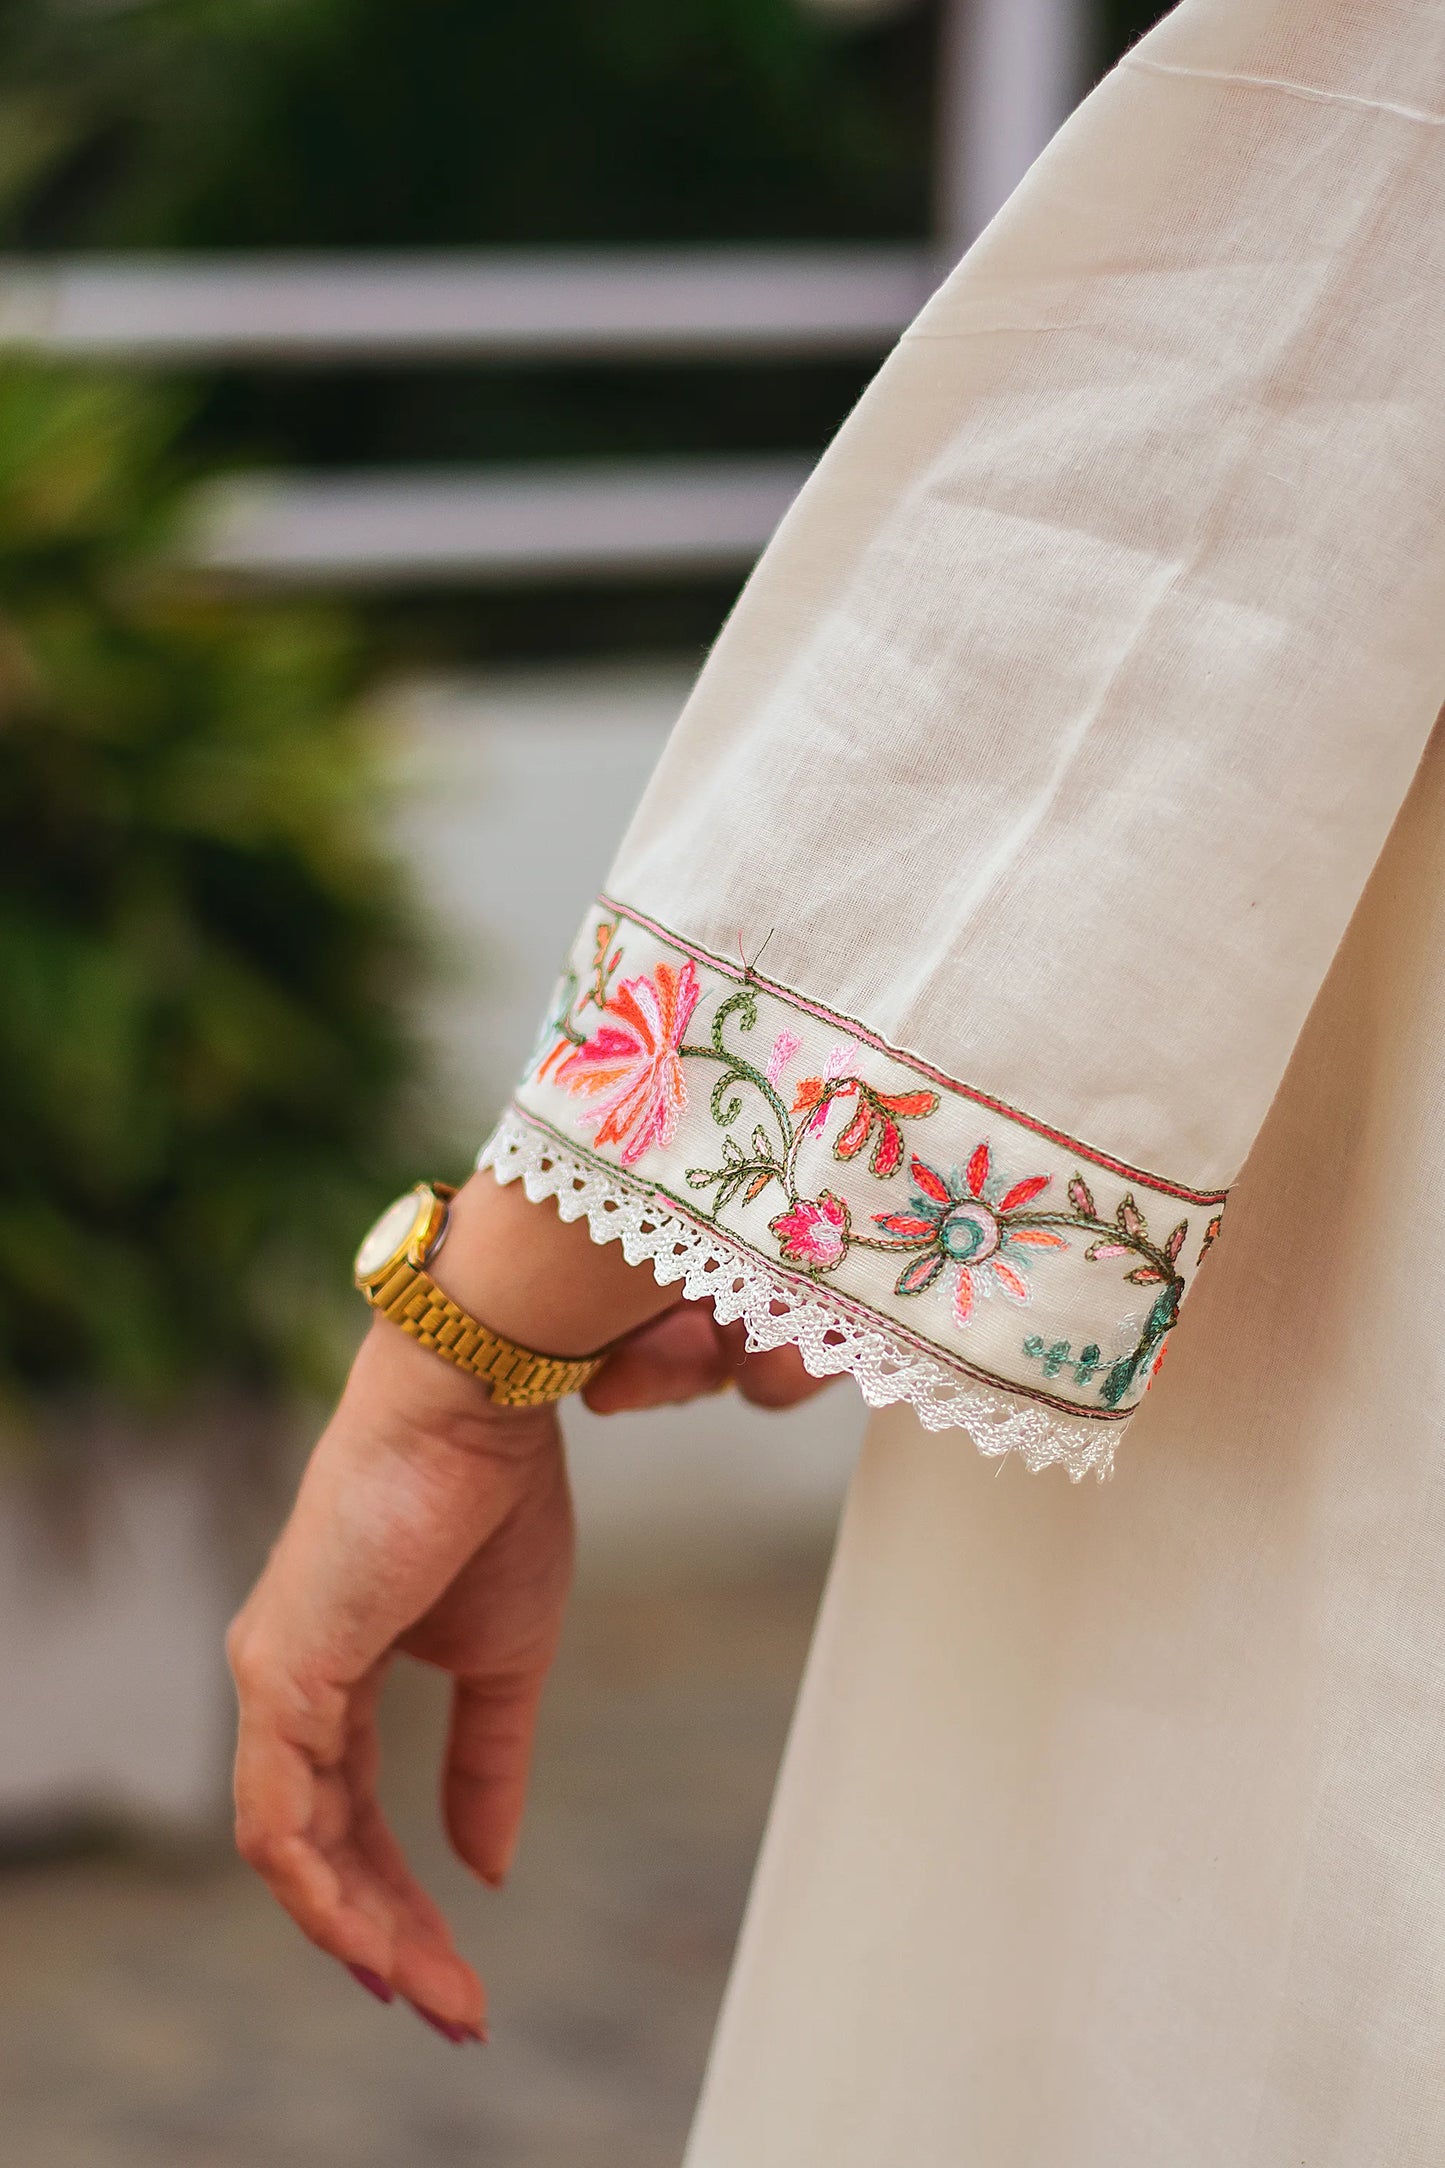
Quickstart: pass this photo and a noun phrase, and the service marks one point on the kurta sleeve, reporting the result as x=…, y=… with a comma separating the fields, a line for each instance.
x=959, y=942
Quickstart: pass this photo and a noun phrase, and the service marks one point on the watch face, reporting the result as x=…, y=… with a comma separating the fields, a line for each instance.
x=389, y=1234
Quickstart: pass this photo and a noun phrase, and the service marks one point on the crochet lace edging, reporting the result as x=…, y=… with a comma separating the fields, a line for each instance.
x=777, y=1311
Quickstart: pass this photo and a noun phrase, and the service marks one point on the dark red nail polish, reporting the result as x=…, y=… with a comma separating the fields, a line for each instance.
x=455, y=2033
x=372, y=1982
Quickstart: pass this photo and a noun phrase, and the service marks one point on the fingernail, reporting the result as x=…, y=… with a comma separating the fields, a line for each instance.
x=372, y=1982
x=455, y=2033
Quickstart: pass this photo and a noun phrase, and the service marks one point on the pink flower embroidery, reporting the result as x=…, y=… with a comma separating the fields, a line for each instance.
x=630, y=1064
x=814, y=1231
x=813, y=1091
x=785, y=1046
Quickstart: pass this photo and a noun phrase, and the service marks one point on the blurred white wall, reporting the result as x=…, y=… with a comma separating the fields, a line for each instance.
x=512, y=793
x=113, y=1604
x=1010, y=73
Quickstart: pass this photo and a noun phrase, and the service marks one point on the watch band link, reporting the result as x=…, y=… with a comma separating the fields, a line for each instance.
x=516, y=1376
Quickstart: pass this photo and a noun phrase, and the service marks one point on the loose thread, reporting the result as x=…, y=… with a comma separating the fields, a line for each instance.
x=749, y=969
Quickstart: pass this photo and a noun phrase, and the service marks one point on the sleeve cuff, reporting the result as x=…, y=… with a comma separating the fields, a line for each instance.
x=841, y=1194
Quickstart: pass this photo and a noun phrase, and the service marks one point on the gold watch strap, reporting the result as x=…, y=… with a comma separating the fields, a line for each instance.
x=518, y=1377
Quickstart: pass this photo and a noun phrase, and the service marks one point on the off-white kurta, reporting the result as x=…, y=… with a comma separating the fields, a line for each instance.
x=943, y=982
x=1112, y=1828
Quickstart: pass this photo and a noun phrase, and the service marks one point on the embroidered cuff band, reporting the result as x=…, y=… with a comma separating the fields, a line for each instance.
x=944, y=1248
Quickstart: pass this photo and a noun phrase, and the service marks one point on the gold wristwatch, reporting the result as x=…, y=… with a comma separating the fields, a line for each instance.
x=390, y=1272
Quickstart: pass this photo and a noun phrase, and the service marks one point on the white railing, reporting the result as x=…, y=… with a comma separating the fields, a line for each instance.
x=601, y=305
x=1010, y=70
x=683, y=517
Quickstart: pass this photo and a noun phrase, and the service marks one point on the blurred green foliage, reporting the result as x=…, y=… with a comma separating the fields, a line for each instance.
x=257, y=123
x=486, y=123
x=358, y=123
x=527, y=123
x=201, y=951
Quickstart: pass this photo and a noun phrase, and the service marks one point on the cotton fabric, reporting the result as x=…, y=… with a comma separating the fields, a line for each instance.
x=1064, y=718
x=1112, y=1826
x=1056, y=741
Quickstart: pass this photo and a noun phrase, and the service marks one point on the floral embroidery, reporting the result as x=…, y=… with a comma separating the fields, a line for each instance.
x=877, y=1117
x=898, y=1230
x=1060, y=1357
x=975, y=1222
x=632, y=1060
x=785, y=1046
x=1210, y=1233
x=814, y=1231
x=1126, y=1236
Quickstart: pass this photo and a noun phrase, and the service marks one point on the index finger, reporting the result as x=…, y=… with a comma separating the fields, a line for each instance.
x=308, y=1822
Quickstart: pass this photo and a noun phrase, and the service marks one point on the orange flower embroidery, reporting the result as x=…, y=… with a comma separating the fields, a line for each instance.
x=630, y=1064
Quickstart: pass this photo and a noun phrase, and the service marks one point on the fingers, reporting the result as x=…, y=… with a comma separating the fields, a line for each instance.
x=676, y=1357
x=494, y=1724
x=774, y=1377
x=387, y=1516
x=291, y=1819
x=686, y=1353
x=426, y=1965
x=497, y=1634
x=308, y=1822
x=426, y=1968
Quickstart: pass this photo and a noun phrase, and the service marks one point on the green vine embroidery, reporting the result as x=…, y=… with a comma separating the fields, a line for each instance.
x=623, y=1044
x=1058, y=1356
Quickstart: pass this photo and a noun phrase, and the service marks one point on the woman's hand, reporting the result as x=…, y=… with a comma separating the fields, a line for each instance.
x=685, y=1353
x=433, y=1522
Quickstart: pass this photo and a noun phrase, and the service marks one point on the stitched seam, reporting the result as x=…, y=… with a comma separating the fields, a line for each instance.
x=844, y=1022
x=1289, y=89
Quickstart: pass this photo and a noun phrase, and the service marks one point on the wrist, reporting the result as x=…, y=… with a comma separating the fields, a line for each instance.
x=412, y=1396
x=531, y=1276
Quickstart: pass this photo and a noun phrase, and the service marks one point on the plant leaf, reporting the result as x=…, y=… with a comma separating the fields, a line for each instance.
x=920, y=1273
x=852, y=1139
x=910, y=1106
x=888, y=1150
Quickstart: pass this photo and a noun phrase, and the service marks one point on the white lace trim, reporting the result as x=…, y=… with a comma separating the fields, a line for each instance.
x=779, y=1311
